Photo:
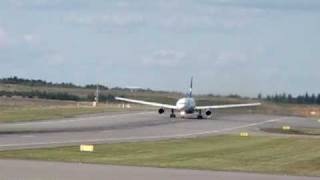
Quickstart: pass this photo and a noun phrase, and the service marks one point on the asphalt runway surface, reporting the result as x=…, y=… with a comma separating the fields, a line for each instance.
x=137, y=126
x=33, y=170
x=123, y=127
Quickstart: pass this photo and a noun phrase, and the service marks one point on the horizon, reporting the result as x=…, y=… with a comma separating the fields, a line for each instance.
x=163, y=90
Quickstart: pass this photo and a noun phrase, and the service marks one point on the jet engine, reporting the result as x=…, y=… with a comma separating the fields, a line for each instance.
x=208, y=113
x=161, y=110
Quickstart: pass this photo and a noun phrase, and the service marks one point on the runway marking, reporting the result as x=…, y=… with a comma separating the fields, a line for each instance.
x=143, y=138
x=27, y=136
x=77, y=119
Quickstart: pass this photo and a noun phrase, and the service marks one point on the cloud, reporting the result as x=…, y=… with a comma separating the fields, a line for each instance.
x=107, y=20
x=310, y=5
x=31, y=39
x=48, y=4
x=54, y=58
x=3, y=38
x=28, y=37
x=203, y=17
x=219, y=20
x=232, y=57
x=165, y=58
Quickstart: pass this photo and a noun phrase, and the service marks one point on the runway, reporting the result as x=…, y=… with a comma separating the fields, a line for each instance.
x=56, y=170
x=123, y=127
x=138, y=126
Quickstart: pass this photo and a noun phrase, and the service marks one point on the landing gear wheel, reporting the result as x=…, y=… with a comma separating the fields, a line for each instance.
x=172, y=115
x=199, y=115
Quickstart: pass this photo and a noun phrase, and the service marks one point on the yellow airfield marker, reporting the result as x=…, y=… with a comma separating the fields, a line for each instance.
x=286, y=127
x=86, y=148
x=318, y=120
x=244, y=134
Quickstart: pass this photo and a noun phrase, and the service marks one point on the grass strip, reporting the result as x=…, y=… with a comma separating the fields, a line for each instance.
x=276, y=155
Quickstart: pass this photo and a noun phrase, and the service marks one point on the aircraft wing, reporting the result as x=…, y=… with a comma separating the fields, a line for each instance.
x=227, y=106
x=146, y=103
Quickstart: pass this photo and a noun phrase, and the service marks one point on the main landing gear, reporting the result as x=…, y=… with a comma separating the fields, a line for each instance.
x=199, y=115
x=172, y=115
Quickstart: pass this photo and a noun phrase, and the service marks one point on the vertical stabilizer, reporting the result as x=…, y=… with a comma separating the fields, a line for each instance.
x=190, y=90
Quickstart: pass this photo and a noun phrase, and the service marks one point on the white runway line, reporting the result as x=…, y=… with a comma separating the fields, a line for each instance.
x=144, y=138
x=27, y=136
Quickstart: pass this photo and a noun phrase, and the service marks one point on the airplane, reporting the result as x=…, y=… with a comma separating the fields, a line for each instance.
x=186, y=105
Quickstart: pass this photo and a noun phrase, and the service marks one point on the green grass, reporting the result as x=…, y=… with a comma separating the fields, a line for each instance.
x=279, y=155
x=298, y=131
x=25, y=109
x=33, y=114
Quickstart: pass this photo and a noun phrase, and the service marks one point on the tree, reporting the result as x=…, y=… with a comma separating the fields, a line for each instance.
x=313, y=99
x=318, y=99
x=290, y=98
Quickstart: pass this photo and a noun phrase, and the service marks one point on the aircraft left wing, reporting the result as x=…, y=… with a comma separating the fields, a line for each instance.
x=227, y=106
x=147, y=103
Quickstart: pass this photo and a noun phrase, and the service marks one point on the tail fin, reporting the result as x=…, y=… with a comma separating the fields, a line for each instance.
x=190, y=90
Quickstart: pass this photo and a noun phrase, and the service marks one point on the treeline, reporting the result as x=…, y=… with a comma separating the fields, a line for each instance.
x=41, y=95
x=38, y=82
x=288, y=98
x=55, y=95
x=35, y=82
x=94, y=86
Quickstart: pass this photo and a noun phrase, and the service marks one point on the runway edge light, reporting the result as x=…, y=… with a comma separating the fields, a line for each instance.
x=244, y=134
x=286, y=127
x=86, y=148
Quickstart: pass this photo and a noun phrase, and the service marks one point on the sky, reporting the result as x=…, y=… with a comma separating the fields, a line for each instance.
x=229, y=46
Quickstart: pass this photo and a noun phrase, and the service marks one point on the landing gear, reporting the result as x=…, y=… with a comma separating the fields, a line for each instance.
x=172, y=115
x=199, y=115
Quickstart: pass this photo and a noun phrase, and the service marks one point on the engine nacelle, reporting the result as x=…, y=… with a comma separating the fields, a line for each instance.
x=208, y=113
x=161, y=110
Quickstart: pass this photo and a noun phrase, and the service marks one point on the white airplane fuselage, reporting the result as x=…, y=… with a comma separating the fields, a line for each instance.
x=186, y=105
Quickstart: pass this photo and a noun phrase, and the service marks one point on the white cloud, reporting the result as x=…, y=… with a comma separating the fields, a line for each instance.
x=3, y=38
x=123, y=4
x=208, y=18
x=111, y=20
x=28, y=37
x=310, y=5
x=45, y=4
x=232, y=57
x=54, y=58
x=240, y=56
x=31, y=39
x=165, y=58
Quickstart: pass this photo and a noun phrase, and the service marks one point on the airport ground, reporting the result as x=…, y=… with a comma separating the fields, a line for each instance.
x=30, y=170
x=210, y=144
x=36, y=129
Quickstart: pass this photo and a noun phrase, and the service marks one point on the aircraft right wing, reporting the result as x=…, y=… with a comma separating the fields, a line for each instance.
x=227, y=106
x=168, y=106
